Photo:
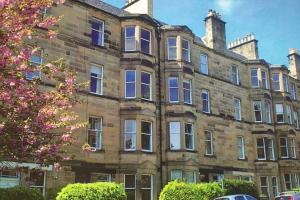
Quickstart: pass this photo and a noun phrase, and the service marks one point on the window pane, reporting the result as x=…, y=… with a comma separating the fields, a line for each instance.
x=146, y=181
x=176, y=175
x=130, y=194
x=203, y=64
x=130, y=31
x=172, y=41
x=145, y=46
x=130, y=44
x=254, y=78
x=190, y=177
x=145, y=34
x=130, y=76
x=174, y=135
x=145, y=78
x=129, y=181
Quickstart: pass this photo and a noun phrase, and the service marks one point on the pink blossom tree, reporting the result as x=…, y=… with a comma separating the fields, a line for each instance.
x=36, y=123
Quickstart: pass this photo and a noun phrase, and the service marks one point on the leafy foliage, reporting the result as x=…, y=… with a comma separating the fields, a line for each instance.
x=182, y=191
x=233, y=186
x=18, y=193
x=52, y=193
x=92, y=191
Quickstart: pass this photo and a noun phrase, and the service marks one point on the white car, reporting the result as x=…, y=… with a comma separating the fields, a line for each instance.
x=288, y=196
x=236, y=197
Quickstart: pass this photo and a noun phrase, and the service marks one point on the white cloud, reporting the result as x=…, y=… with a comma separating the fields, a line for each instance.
x=226, y=6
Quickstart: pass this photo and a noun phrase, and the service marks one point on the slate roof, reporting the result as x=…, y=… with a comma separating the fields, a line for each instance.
x=279, y=67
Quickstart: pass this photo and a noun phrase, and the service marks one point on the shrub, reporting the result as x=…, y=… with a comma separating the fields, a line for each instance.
x=188, y=191
x=233, y=186
x=92, y=191
x=19, y=192
x=52, y=193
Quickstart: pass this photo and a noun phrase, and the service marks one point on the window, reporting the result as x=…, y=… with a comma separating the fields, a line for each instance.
x=268, y=112
x=257, y=111
x=289, y=114
x=264, y=185
x=185, y=50
x=130, y=44
x=208, y=143
x=279, y=113
x=187, y=91
x=146, y=132
x=254, y=78
x=146, y=89
x=9, y=178
x=283, y=147
x=296, y=121
x=203, y=64
x=275, y=186
x=265, y=149
x=237, y=109
x=293, y=148
x=37, y=180
x=130, y=135
x=235, y=75
x=145, y=41
x=96, y=85
x=173, y=90
x=172, y=48
x=297, y=180
x=205, y=101
x=189, y=136
x=130, y=79
x=241, y=147
x=288, y=182
x=100, y=177
x=174, y=135
x=36, y=59
x=97, y=32
x=146, y=187
x=95, y=132
x=189, y=177
x=285, y=83
x=264, y=80
x=130, y=186
x=276, y=83
x=293, y=91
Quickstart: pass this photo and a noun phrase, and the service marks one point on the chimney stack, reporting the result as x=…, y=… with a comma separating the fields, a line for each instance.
x=294, y=63
x=246, y=46
x=139, y=7
x=215, y=36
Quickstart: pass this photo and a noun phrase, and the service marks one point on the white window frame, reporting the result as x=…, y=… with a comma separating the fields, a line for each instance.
x=147, y=134
x=296, y=120
x=235, y=74
x=100, y=78
x=289, y=181
x=265, y=186
x=99, y=31
x=208, y=100
x=261, y=147
x=43, y=187
x=259, y=110
x=293, y=91
x=130, y=38
x=275, y=187
x=237, y=109
x=98, y=132
x=35, y=64
x=209, y=141
x=268, y=112
x=279, y=112
x=241, y=147
x=285, y=80
x=188, y=50
x=179, y=172
x=173, y=88
x=190, y=134
x=254, y=86
x=204, y=62
x=130, y=82
x=272, y=148
x=150, y=85
x=277, y=83
x=177, y=132
x=135, y=188
x=189, y=82
x=289, y=114
x=130, y=133
x=151, y=189
x=172, y=47
x=284, y=146
x=150, y=39
x=264, y=80
x=293, y=150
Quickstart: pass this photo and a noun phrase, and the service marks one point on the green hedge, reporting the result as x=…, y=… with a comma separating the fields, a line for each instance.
x=176, y=190
x=92, y=191
x=233, y=186
x=20, y=193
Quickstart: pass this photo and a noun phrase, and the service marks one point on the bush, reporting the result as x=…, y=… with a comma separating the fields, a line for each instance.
x=92, y=191
x=19, y=192
x=52, y=193
x=188, y=191
x=240, y=187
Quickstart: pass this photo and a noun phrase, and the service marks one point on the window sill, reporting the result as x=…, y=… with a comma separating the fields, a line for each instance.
x=265, y=160
x=98, y=46
x=136, y=51
x=242, y=159
x=182, y=151
x=95, y=94
x=210, y=156
x=137, y=152
x=98, y=151
x=287, y=159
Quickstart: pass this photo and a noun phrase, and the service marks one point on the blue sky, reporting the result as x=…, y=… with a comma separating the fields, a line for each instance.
x=275, y=23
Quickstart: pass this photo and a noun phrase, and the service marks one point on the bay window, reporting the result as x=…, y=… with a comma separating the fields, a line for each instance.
x=268, y=112
x=130, y=84
x=172, y=48
x=257, y=111
x=279, y=113
x=293, y=91
x=265, y=149
x=130, y=135
x=276, y=82
x=285, y=80
x=289, y=119
x=187, y=91
x=130, y=42
x=174, y=132
x=173, y=90
x=288, y=182
x=146, y=87
x=130, y=186
x=186, y=51
x=254, y=78
x=296, y=120
x=264, y=80
x=187, y=176
x=275, y=186
x=146, y=187
x=95, y=132
x=145, y=41
x=293, y=148
x=264, y=186
x=189, y=136
x=283, y=147
x=146, y=133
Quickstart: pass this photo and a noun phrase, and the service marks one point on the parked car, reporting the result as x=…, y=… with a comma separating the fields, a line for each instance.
x=288, y=196
x=236, y=197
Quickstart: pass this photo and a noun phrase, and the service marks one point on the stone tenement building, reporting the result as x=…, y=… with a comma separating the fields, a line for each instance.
x=166, y=104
